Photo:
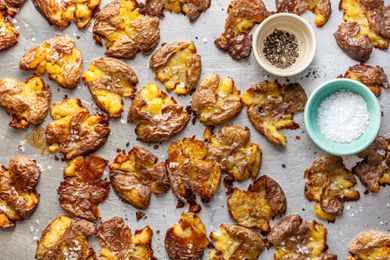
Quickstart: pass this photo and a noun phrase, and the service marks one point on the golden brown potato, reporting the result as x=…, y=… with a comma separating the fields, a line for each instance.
x=9, y=36
x=125, y=29
x=66, y=238
x=18, y=195
x=235, y=242
x=329, y=184
x=28, y=102
x=186, y=239
x=191, y=172
x=62, y=12
x=83, y=190
x=243, y=15
x=11, y=7
x=254, y=208
x=295, y=238
x=109, y=80
x=232, y=149
x=271, y=107
x=370, y=244
x=118, y=243
x=57, y=56
x=137, y=175
x=178, y=66
x=374, y=170
x=158, y=115
x=74, y=131
x=191, y=8
x=216, y=101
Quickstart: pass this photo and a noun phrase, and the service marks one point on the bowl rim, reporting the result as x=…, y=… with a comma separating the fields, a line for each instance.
x=367, y=93
x=312, y=37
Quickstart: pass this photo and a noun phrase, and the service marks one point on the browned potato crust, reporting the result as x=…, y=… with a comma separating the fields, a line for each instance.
x=118, y=243
x=57, y=56
x=11, y=7
x=74, y=131
x=158, y=115
x=374, y=170
x=18, y=195
x=190, y=170
x=232, y=149
x=370, y=244
x=295, y=238
x=216, y=101
x=329, y=184
x=271, y=106
x=66, y=238
x=137, y=175
x=191, y=8
x=9, y=36
x=28, y=102
x=126, y=30
x=109, y=80
x=186, y=239
x=178, y=66
x=243, y=15
x=254, y=208
x=233, y=242
x=83, y=190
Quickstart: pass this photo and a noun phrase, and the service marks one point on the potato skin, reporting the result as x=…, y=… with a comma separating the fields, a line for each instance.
x=10, y=36
x=191, y=8
x=11, y=7
x=370, y=244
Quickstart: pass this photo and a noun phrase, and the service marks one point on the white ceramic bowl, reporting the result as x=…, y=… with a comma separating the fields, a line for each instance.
x=293, y=24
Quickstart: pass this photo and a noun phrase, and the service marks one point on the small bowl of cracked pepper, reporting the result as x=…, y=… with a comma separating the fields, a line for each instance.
x=284, y=44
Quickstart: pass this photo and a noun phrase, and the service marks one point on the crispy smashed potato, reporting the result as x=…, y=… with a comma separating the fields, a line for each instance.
x=191, y=8
x=271, y=107
x=158, y=115
x=254, y=208
x=28, y=102
x=57, y=56
x=190, y=171
x=374, y=170
x=137, y=175
x=9, y=36
x=11, y=7
x=83, y=190
x=232, y=149
x=118, y=243
x=186, y=239
x=18, y=195
x=125, y=30
x=66, y=238
x=178, y=66
x=295, y=238
x=243, y=15
x=235, y=242
x=329, y=184
x=74, y=131
x=216, y=101
x=109, y=80
x=370, y=244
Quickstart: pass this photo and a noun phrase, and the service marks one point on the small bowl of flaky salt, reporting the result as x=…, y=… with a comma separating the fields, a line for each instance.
x=342, y=117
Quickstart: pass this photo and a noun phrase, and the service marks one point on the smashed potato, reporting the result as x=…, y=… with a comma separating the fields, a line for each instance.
x=158, y=115
x=109, y=80
x=370, y=244
x=190, y=171
x=66, y=238
x=254, y=208
x=186, y=239
x=11, y=7
x=57, y=56
x=137, y=175
x=125, y=30
x=271, y=107
x=329, y=184
x=216, y=101
x=18, y=195
x=235, y=242
x=28, y=102
x=243, y=15
x=374, y=170
x=74, y=131
x=191, y=8
x=9, y=36
x=295, y=238
x=178, y=66
x=118, y=243
x=232, y=149
x=83, y=190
